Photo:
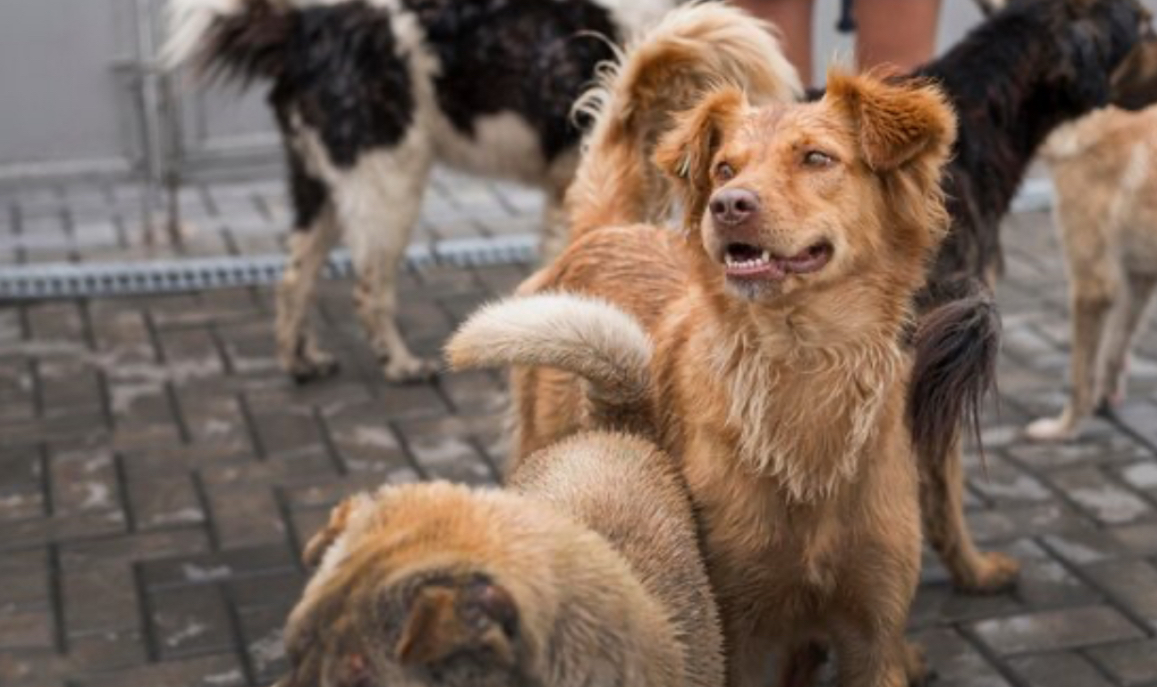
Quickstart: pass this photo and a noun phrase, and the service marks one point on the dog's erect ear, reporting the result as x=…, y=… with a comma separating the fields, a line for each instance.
x=897, y=121
x=446, y=618
x=685, y=152
x=1134, y=82
x=317, y=546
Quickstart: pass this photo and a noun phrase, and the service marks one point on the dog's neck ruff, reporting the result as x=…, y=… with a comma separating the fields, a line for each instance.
x=805, y=414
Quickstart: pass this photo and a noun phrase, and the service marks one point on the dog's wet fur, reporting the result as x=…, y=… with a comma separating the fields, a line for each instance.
x=780, y=367
x=1032, y=66
x=585, y=570
x=369, y=94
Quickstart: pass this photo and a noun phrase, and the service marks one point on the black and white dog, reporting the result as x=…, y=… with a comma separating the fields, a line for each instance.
x=370, y=93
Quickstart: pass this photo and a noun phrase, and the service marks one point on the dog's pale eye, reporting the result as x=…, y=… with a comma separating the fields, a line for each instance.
x=816, y=158
x=724, y=171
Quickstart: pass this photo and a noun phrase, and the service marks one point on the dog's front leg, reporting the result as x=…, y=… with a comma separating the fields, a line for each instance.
x=876, y=657
x=309, y=247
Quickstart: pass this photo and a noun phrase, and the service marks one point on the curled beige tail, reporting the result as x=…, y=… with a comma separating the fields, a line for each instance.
x=587, y=337
x=694, y=49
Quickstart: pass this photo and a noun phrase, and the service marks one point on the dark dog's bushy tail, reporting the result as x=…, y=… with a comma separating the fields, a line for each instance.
x=956, y=349
x=239, y=39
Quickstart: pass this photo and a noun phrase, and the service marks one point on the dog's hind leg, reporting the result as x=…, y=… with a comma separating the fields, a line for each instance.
x=378, y=203
x=1094, y=298
x=942, y=508
x=314, y=234
x=1119, y=338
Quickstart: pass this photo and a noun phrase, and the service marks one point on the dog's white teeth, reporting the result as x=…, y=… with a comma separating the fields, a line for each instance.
x=765, y=257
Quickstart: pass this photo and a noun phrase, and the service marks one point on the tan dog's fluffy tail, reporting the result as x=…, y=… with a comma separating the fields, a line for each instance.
x=955, y=367
x=694, y=49
x=584, y=336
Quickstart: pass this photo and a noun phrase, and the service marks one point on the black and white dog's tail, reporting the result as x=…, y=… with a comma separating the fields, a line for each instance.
x=239, y=39
x=587, y=337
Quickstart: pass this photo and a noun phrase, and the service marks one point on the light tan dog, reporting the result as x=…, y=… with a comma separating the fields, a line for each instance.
x=780, y=372
x=1104, y=167
x=584, y=571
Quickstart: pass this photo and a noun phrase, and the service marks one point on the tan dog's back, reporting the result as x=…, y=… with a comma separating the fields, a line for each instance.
x=1104, y=167
x=585, y=572
x=624, y=488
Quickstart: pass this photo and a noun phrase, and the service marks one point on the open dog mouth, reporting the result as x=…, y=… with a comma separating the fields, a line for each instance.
x=745, y=261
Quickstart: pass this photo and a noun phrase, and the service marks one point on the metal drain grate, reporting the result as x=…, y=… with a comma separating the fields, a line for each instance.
x=71, y=280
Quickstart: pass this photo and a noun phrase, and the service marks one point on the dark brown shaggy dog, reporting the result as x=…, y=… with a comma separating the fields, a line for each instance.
x=1031, y=67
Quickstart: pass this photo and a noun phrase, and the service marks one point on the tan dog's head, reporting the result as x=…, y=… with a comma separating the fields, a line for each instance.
x=1134, y=83
x=788, y=198
x=406, y=594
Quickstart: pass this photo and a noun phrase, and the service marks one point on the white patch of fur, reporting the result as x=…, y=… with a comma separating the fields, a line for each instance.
x=379, y=197
x=503, y=145
x=843, y=406
x=189, y=22
x=634, y=16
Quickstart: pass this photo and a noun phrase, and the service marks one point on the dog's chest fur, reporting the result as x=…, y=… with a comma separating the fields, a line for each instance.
x=800, y=465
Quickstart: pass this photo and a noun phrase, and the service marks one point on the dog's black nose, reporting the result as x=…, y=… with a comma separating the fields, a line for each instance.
x=733, y=205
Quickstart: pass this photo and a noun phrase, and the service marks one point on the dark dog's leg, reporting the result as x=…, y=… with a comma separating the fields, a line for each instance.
x=314, y=235
x=942, y=506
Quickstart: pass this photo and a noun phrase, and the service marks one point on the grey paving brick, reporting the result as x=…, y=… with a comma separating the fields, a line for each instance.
x=958, y=663
x=100, y=597
x=1134, y=583
x=244, y=517
x=1055, y=630
x=1140, y=539
x=207, y=671
x=1101, y=497
x=1131, y=664
x=1058, y=670
x=189, y=621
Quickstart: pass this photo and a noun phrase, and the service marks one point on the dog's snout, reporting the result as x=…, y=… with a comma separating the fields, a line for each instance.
x=734, y=205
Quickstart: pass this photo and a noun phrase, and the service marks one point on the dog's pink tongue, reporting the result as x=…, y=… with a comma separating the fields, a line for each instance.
x=806, y=261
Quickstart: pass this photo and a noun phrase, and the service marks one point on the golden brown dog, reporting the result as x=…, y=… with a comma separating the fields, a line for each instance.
x=1104, y=167
x=585, y=571
x=780, y=372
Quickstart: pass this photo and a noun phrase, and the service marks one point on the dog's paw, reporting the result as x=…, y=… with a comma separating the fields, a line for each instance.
x=1051, y=429
x=916, y=667
x=317, y=365
x=994, y=574
x=409, y=369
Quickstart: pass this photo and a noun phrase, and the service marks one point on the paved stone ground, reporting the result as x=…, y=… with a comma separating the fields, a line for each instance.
x=158, y=476
x=101, y=222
